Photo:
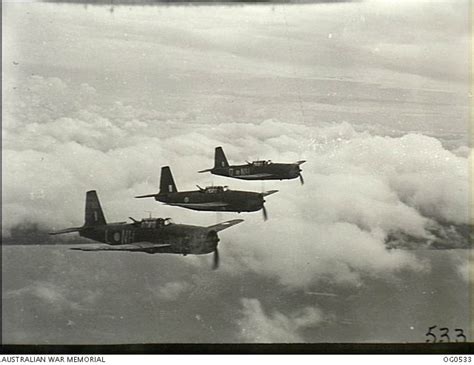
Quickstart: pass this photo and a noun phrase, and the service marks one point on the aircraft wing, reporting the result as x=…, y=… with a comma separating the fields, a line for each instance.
x=269, y=192
x=201, y=205
x=135, y=247
x=255, y=176
x=224, y=225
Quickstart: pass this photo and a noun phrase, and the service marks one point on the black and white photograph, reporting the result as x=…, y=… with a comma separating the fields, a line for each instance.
x=236, y=173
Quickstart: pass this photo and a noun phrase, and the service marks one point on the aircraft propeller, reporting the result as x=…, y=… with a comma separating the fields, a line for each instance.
x=264, y=211
x=215, y=265
x=263, y=195
x=301, y=179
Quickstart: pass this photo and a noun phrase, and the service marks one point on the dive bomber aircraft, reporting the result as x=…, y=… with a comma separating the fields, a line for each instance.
x=150, y=235
x=256, y=170
x=211, y=198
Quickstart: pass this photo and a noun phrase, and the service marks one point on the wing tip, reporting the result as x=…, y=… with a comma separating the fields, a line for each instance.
x=233, y=222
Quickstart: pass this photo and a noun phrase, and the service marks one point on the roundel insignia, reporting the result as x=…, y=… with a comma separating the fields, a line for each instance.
x=117, y=236
x=186, y=199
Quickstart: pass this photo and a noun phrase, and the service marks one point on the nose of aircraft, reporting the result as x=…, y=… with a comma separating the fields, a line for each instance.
x=295, y=171
x=213, y=239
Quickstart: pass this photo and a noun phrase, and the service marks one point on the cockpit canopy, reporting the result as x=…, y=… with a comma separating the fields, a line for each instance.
x=151, y=223
x=261, y=162
x=215, y=189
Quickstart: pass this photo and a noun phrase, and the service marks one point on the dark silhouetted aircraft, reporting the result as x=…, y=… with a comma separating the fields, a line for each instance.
x=211, y=198
x=151, y=235
x=256, y=170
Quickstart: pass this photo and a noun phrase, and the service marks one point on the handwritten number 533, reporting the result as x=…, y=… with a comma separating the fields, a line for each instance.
x=443, y=335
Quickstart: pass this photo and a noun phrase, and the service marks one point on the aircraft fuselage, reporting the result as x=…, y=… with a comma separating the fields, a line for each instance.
x=272, y=171
x=224, y=200
x=183, y=239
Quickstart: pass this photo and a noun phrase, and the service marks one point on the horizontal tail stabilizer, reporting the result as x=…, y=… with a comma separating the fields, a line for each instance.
x=146, y=196
x=206, y=170
x=67, y=230
x=300, y=162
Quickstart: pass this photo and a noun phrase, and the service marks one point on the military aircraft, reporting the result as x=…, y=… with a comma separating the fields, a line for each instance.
x=150, y=235
x=256, y=170
x=211, y=198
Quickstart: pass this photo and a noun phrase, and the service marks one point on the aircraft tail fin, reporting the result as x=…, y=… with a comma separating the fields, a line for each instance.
x=167, y=184
x=219, y=158
x=94, y=215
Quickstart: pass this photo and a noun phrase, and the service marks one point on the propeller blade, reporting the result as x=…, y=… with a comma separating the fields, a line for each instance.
x=216, y=260
x=301, y=179
x=265, y=215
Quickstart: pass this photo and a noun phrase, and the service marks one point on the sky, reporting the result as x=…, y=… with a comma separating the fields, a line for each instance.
x=374, y=95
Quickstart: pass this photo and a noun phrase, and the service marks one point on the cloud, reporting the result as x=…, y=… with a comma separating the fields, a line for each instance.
x=463, y=266
x=172, y=290
x=362, y=92
x=258, y=326
x=361, y=188
x=52, y=296
x=302, y=254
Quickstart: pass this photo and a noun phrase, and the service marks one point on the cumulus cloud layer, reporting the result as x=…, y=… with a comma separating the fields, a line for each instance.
x=56, y=298
x=258, y=326
x=361, y=188
x=368, y=109
x=172, y=290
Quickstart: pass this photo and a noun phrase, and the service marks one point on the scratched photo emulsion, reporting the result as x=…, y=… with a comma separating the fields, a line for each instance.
x=236, y=173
